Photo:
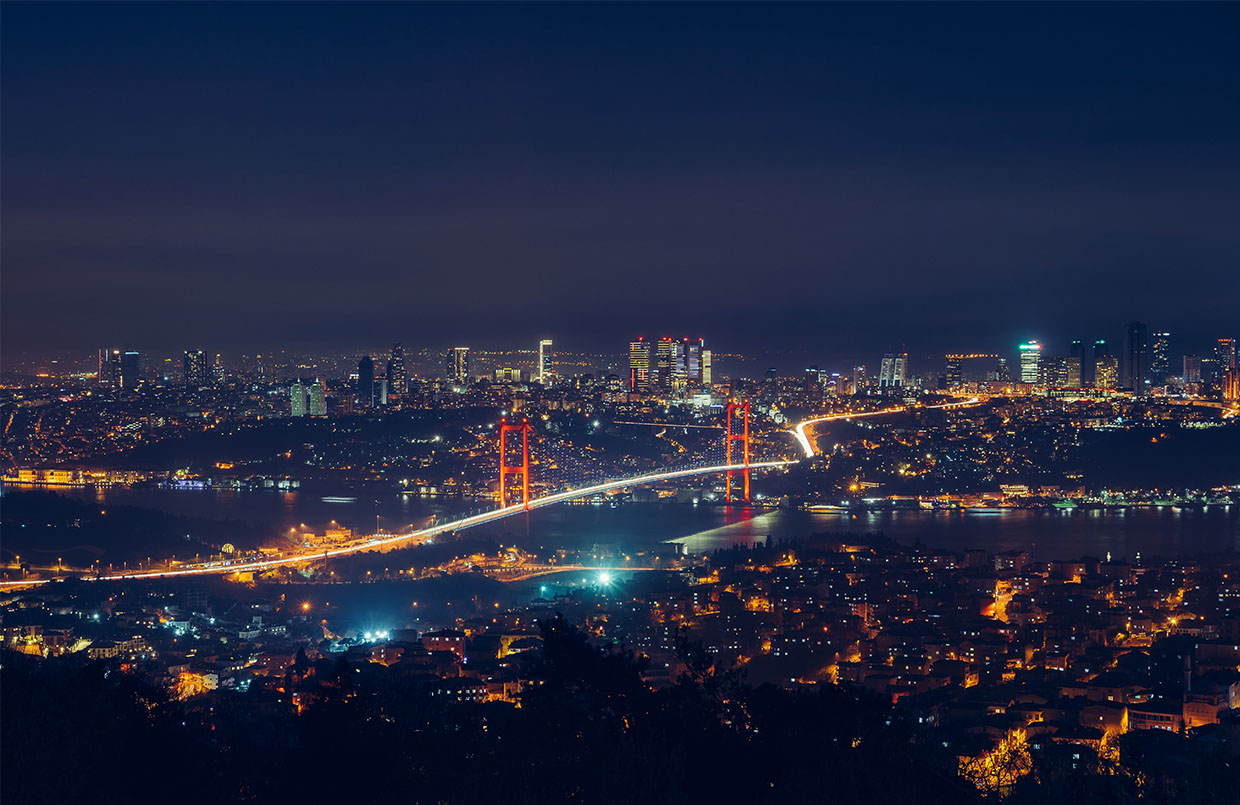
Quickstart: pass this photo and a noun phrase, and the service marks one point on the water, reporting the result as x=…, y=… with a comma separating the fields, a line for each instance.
x=1046, y=534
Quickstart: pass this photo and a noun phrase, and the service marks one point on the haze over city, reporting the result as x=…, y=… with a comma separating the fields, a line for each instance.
x=619, y=403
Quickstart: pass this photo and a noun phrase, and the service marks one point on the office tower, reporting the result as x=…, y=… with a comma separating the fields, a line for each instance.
x=318, y=399
x=1003, y=372
x=1053, y=372
x=1160, y=358
x=217, y=371
x=1192, y=369
x=507, y=374
x=297, y=399
x=955, y=372
x=130, y=367
x=665, y=359
x=1072, y=372
x=1225, y=354
x=195, y=368
x=770, y=375
x=109, y=367
x=859, y=380
x=458, y=366
x=639, y=365
x=707, y=371
x=1090, y=373
x=543, y=372
x=1079, y=364
x=381, y=388
x=1106, y=371
x=691, y=357
x=398, y=377
x=1136, y=357
x=892, y=370
x=1030, y=361
x=366, y=381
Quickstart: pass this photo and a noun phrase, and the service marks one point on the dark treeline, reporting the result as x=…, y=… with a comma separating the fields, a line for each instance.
x=591, y=732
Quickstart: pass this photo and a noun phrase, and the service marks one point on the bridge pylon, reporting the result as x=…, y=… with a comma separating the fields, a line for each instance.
x=743, y=437
x=506, y=469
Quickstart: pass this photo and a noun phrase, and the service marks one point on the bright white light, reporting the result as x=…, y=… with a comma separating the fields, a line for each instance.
x=604, y=578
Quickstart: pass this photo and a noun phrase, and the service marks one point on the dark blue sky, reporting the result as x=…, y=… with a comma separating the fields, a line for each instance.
x=835, y=177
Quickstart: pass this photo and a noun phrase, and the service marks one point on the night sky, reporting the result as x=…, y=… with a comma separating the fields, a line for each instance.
x=837, y=178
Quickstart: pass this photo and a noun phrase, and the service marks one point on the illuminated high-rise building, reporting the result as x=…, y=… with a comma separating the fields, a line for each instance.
x=544, y=374
x=690, y=360
x=297, y=399
x=109, y=367
x=217, y=371
x=893, y=370
x=1225, y=353
x=317, y=398
x=1160, y=357
x=457, y=369
x=1003, y=372
x=366, y=382
x=398, y=376
x=1136, y=365
x=1106, y=371
x=1030, y=362
x=955, y=371
x=664, y=363
x=1089, y=369
x=1192, y=369
x=707, y=370
x=639, y=365
x=130, y=370
x=859, y=381
x=195, y=368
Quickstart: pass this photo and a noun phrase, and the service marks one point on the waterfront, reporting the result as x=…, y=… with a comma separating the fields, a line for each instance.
x=1046, y=533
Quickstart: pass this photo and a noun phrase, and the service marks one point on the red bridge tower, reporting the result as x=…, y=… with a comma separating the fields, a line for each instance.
x=743, y=437
x=523, y=470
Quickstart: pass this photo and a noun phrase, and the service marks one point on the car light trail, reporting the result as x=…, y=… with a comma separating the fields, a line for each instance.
x=803, y=440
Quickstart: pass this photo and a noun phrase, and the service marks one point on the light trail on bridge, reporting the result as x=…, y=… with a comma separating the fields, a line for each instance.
x=431, y=532
x=422, y=535
x=803, y=440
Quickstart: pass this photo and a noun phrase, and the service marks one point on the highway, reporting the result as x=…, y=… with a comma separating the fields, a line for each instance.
x=412, y=538
x=807, y=445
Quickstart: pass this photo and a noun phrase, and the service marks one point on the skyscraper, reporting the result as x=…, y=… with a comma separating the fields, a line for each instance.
x=859, y=381
x=707, y=370
x=1106, y=371
x=1225, y=353
x=109, y=367
x=1090, y=374
x=955, y=372
x=1192, y=369
x=1030, y=361
x=544, y=372
x=195, y=368
x=639, y=366
x=1078, y=361
x=1160, y=358
x=317, y=399
x=297, y=399
x=458, y=366
x=398, y=377
x=217, y=371
x=130, y=369
x=892, y=370
x=1136, y=357
x=665, y=360
x=366, y=381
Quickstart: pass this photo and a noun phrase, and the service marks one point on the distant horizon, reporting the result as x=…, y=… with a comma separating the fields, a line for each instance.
x=951, y=177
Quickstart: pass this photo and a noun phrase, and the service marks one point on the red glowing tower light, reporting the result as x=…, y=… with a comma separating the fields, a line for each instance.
x=743, y=438
x=523, y=470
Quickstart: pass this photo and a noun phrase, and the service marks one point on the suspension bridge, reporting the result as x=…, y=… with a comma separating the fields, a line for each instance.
x=736, y=461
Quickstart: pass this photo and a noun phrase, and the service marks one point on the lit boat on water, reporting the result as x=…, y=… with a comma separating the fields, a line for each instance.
x=337, y=499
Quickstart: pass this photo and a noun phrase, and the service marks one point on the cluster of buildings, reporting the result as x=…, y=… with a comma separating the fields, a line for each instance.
x=982, y=651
